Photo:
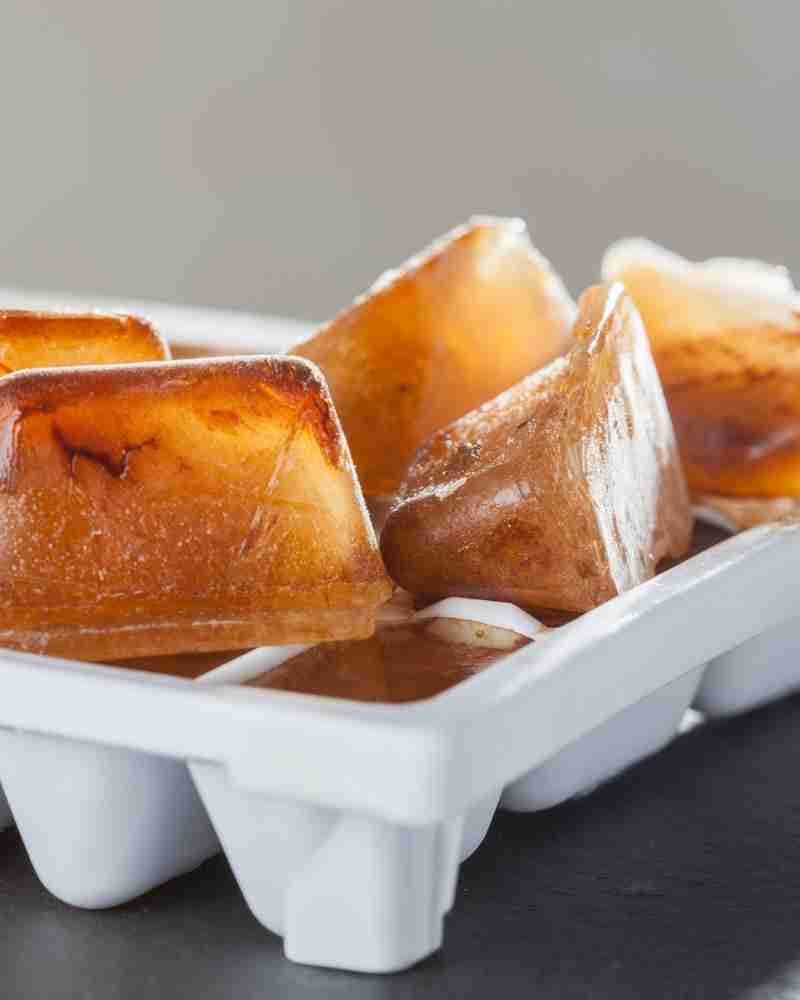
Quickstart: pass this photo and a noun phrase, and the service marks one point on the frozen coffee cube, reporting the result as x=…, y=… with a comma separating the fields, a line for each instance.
x=725, y=336
x=560, y=493
x=452, y=327
x=182, y=506
x=51, y=340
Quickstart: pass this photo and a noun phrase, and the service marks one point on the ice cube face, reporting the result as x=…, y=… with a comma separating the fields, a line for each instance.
x=560, y=493
x=725, y=335
x=185, y=506
x=451, y=328
x=48, y=340
x=399, y=663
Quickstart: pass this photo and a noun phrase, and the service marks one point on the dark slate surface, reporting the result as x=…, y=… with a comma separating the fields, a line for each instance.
x=680, y=879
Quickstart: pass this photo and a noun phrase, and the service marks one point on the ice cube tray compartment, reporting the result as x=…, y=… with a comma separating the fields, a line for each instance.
x=101, y=824
x=760, y=670
x=344, y=822
x=645, y=728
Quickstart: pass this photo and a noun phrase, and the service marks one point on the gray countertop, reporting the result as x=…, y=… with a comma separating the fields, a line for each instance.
x=679, y=879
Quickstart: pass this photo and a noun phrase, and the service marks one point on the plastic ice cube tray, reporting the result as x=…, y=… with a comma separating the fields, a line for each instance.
x=345, y=823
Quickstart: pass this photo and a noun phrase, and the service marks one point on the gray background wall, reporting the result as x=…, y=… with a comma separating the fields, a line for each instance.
x=279, y=155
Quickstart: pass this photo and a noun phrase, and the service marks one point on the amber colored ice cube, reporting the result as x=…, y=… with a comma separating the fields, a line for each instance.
x=50, y=340
x=560, y=493
x=182, y=506
x=452, y=327
x=399, y=663
x=725, y=335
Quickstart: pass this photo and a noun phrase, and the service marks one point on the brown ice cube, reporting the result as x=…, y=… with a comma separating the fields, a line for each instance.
x=399, y=663
x=725, y=336
x=50, y=340
x=182, y=506
x=452, y=327
x=560, y=493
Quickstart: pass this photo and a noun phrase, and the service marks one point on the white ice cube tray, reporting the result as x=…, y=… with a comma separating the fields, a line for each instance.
x=345, y=822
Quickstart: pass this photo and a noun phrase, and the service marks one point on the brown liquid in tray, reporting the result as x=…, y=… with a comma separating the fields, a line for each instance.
x=188, y=665
x=399, y=663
